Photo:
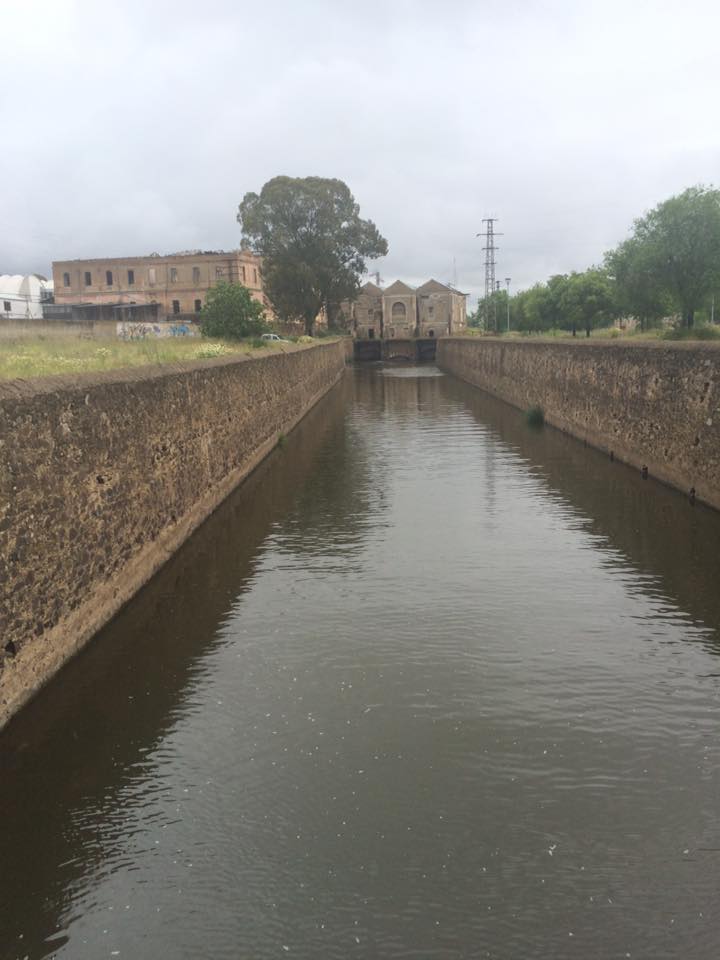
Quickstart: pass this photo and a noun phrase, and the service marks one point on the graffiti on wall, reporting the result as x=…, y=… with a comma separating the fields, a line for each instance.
x=141, y=330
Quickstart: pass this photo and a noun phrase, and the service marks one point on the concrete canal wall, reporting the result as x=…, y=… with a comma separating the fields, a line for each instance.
x=103, y=476
x=654, y=404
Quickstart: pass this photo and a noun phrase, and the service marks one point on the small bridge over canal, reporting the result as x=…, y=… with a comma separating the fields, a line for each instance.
x=415, y=350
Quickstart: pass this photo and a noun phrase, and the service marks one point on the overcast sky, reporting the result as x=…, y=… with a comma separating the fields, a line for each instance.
x=132, y=127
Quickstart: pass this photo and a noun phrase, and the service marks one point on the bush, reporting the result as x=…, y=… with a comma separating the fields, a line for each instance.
x=692, y=333
x=231, y=312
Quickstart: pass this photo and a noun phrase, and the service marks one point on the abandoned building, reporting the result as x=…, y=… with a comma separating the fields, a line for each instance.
x=401, y=312
x=176, y=285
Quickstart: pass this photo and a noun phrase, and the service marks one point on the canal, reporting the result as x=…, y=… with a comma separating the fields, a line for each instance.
x=430, y=684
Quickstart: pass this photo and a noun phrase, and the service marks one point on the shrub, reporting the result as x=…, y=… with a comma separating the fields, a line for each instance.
x=692, y=333
x=231, y=312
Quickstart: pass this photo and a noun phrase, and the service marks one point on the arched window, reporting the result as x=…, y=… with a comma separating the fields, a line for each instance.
x=398, y=310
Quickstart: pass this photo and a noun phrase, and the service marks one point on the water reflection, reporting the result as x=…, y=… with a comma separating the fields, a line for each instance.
x=649, y=526
x=430, y=684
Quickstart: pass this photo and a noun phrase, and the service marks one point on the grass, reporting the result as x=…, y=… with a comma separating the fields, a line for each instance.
x=699, y=332
x=41, y=356
x=694, y=333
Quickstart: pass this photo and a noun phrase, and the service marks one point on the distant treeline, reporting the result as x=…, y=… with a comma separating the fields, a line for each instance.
x=668, y=267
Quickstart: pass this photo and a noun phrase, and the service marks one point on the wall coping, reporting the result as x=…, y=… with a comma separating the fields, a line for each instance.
x=21, y=389
x=686, y=346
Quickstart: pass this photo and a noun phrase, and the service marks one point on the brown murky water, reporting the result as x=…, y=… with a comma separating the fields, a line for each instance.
x=429, y=685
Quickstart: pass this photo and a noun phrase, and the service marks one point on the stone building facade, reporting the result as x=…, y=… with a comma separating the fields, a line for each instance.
x=401, y=312
x=177, y=283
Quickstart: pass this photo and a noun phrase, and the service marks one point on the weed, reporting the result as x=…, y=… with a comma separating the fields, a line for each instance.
x=535, y=416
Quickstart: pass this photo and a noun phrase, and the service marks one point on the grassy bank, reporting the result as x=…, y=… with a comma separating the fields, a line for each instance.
x=23, y=358
x=700, y=332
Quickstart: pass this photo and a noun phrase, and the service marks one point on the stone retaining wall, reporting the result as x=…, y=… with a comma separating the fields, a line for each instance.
x=103, y=476
x=654, y=404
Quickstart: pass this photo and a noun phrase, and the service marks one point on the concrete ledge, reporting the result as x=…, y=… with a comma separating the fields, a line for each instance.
x=104, y=476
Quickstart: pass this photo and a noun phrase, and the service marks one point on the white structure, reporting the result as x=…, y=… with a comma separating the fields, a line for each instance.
x=21, y=298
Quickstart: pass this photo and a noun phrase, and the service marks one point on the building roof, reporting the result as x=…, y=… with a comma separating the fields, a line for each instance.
x=17, y=285
x=398, y=287
x=434, y=286
x=371, y=287
x=159, y=258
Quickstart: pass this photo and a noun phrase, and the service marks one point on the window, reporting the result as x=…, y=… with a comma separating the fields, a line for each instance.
x=176, y=306
x=430, y=311
x=88, y=278
x=196, y=274
x=173, y=274
x=151, y=276
x=7, y=306
x=398, y=310
x=131, y=277
x=242, y=274
x=255, y=276
x=198, y=306
x=219, y=272
x=66, y=279
x=108, y=277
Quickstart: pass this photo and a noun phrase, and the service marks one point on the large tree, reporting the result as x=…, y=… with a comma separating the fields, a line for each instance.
x=587, y=300
x=638, y=292
x=313, y=242
x=680, y=243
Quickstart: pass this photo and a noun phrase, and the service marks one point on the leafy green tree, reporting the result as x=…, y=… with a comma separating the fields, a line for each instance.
x=587, y=300
x=313, y=242
x=537, y=309
x=638, y=293
x=232, y=312
x=680, y=244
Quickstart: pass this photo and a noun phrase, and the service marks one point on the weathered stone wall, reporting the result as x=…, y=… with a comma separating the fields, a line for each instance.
x=651, y=404
x=103, y=476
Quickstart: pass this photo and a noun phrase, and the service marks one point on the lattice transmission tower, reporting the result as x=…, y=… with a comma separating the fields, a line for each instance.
x=490, y=304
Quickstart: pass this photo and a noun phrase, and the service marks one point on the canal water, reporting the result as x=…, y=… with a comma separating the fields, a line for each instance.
x=431, y=684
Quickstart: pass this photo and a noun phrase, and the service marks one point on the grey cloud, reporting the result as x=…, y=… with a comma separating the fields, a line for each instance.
x=139, y=126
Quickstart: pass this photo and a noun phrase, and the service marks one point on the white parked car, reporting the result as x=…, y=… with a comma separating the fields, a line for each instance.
x=274, y=338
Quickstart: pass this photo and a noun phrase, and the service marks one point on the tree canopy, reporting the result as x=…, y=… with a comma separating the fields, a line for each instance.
x=668, y=266
x=673, y=256
x=313, y=243
x=231, y=312
x=637, y=290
